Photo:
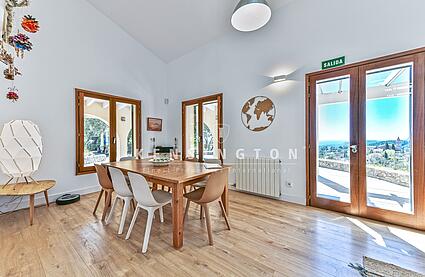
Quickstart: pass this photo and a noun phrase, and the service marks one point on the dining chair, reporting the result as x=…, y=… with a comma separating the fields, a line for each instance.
x=106, y=187
x=122, y=192
x=123, y=159
x=204, y=196
x=207, y=161
x=203, y=183
x=149, y=201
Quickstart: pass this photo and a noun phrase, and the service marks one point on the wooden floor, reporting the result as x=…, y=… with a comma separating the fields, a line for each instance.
x=268, y=237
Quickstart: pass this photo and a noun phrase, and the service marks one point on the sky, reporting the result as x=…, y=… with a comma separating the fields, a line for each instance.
x=387, y=118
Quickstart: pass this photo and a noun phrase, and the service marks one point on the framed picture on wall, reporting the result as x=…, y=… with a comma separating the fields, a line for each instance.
x=154, y=124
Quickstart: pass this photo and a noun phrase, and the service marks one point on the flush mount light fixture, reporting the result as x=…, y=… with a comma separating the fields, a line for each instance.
x=251, y=15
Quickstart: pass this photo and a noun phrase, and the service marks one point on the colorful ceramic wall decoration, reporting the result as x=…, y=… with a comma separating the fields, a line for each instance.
x=22, y=43
x=9, y=6
x=30, y=24
x=11, y=71
x=12, y=94
x=12, y=39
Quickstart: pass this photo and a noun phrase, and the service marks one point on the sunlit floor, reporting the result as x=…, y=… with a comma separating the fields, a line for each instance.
x=268, y=238
x=334, y=184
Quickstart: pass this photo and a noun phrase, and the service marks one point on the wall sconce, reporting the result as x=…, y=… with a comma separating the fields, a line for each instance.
x=280, y=78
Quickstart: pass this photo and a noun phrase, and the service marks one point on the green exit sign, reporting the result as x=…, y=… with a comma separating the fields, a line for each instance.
x=333, y=63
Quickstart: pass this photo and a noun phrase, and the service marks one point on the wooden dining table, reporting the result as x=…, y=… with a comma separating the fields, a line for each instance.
x=177, y=175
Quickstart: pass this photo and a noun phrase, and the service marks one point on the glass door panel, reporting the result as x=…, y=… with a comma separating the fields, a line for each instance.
x=389, y=128
x=333, y=139
x=210, y=139
x=366, y=140
x=126, y=130
x=96, y=131
x=192, y=132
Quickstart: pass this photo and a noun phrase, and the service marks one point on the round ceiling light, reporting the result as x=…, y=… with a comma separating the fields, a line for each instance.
x=251, y=15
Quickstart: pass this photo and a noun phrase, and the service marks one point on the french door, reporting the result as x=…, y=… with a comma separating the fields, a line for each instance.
x=202, y=121
x=366, y=139
x=107, y=129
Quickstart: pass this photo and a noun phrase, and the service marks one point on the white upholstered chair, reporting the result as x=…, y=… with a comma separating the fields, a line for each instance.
x=149, y=201
x=122, y=192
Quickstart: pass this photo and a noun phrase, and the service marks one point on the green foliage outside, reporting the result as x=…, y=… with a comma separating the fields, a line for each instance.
x=96, y=136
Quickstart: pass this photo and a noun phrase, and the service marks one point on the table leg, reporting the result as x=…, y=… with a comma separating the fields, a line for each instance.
x=31, y=209
x=178, y=216
x=46, y=196
x=225, y=195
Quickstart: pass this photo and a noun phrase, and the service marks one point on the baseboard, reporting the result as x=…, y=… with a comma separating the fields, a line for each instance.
x=22, y=202
x=293, y=199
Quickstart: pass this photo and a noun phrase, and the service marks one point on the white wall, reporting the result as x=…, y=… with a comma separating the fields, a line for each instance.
x=296, y=40
x=78, y=47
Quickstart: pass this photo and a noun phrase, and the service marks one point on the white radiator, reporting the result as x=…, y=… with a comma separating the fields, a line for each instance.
x=259, y=176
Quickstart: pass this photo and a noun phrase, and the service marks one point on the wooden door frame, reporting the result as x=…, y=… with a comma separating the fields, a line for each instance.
x=214, y=97
x=80, y=169
x=330, y=204
x=418, y=139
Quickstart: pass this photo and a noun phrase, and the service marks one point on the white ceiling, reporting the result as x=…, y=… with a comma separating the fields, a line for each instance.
x=172, y=28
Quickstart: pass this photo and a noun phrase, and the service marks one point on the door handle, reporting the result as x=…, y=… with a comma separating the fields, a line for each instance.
x=353, y=148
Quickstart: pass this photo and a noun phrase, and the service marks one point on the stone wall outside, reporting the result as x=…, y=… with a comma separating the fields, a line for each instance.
x=393, y=176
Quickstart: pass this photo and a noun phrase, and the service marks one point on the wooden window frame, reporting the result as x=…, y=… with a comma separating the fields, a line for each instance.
x=418, y=55
x=199, y=101
x=79, y=125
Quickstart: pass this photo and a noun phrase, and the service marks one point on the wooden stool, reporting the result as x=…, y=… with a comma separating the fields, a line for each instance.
x=30, y=189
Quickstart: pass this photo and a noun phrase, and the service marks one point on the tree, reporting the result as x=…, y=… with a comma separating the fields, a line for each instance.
x=94, y=129
x=208, y=138
x=130, y=143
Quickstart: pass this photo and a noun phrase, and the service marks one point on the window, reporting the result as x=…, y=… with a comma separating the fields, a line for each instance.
x=107, y=129
x=202, y=120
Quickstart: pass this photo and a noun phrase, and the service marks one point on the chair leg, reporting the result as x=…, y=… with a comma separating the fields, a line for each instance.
x=108, y=196
x=111, y=213
x=124, y=215
x=133, y=204
x=201, y=213
x=224, y=213
x=208, y=219
x=187, y=210
x=161, y=215
x=97, y=202
x=148, y=230
x=136, y=213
